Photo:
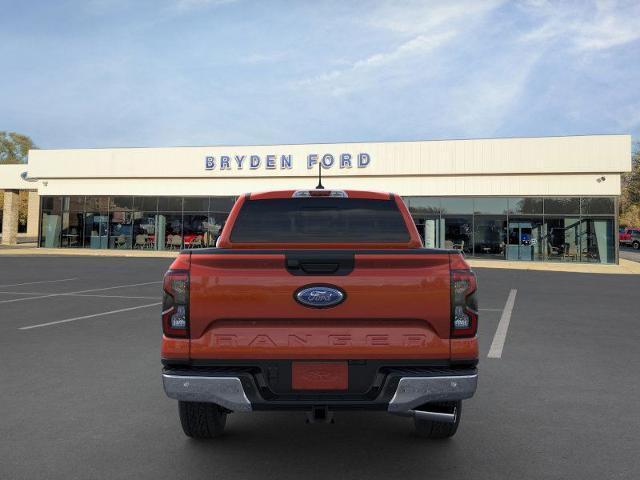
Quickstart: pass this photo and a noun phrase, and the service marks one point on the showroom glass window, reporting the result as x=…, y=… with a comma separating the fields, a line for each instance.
x=597, y=239
x=145, y=210
x=169, y=223
x=72, y=222
x=562, y=228
x=120, y=222
x=195, y=221
x=490, y=227
x=525, y=231
x=457, y=216
x=51, y=222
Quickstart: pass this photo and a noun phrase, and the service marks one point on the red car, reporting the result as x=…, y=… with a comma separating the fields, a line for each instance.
x=317, y=301
x=629, y=237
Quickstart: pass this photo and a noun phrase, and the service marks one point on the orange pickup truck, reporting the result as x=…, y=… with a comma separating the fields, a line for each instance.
x=319, y=301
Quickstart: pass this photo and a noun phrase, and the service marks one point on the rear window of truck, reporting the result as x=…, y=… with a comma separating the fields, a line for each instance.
x=320, y=219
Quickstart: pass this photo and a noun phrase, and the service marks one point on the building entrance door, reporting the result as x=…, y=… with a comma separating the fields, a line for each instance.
x=97, y=228
x=523, y=240
x=433, y=233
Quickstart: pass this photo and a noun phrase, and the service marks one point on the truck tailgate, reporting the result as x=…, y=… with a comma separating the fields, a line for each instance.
x=242, y=305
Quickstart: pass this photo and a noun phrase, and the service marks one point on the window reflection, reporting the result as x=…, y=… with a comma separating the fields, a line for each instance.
x=525, y=206
x=458, y=233
x=569, y=229
x=490, y=237
x=562, y=239
x=490, y=206
x=597, y=206
x=144, y=230
x=51, y=224
x=72, y=222
x=120, y=230
x=168, y=231
x=562, y=205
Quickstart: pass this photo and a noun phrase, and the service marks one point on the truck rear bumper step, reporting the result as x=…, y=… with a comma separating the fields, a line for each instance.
x=412, y=392
x=225, y=391
x=409, y=398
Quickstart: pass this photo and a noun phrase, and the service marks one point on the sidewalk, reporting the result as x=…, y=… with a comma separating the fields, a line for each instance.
x=626, y=267
x=86, y=252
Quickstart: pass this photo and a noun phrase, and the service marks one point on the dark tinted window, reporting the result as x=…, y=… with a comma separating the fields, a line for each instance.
x=525, y=206
x=221, y=204
x=121, y=203
x=146, y=203
x=456, y=206
x=562, y=205
x=490, y=206
x=423, y=205
x=196, y=204
x=598, y=206
x=308, y=220
x=170, y=204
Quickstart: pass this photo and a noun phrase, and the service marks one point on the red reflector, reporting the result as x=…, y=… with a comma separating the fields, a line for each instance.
x=319, y=376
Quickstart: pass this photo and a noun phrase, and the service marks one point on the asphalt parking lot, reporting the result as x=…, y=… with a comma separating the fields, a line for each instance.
x=630, y=253
x=81, y=394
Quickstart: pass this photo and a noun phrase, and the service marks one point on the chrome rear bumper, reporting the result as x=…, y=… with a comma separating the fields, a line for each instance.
x=411, y=392
x=225, y=391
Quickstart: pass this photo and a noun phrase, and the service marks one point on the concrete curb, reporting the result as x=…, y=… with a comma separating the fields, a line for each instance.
x=86, y=252
x=626, y=267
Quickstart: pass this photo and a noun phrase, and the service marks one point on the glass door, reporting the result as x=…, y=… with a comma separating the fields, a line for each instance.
x=97, y=230
x=524, y=241
x=433, y=232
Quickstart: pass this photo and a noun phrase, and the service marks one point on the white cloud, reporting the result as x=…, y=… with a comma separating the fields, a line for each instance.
x=479, y=105
x=362, y=73
x=186, y=5
x=419, y=30
x=264, y=57
x=604, y=25
x=420, y=16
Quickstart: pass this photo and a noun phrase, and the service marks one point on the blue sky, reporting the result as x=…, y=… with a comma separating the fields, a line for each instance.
x=103, y=73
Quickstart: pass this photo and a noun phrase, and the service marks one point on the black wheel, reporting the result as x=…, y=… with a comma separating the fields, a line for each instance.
x=636, y=245
x=202, y=420
x=434, y=430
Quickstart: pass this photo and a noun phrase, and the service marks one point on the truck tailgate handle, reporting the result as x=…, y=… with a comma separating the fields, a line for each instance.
x=319, y=263
x=320, y=268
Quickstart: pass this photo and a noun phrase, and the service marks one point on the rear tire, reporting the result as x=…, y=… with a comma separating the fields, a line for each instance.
x=438, y=430
x=636, y=245
x=202, y=420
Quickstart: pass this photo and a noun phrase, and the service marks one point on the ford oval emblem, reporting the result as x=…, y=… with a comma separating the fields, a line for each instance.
x=319, y=296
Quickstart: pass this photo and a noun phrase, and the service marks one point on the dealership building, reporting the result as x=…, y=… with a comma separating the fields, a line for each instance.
x=532, y=199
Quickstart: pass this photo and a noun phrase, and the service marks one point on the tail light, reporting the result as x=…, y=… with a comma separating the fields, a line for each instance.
x=464, y=306
x=175, y=304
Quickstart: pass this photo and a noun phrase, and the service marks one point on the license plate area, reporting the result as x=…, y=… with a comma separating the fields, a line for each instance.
x=319, y=376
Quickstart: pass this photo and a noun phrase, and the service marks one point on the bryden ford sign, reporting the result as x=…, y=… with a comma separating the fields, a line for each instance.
x=285, y=162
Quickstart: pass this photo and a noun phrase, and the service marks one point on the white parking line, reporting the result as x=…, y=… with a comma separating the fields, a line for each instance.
x=79, y=291
x=41, y=281
x=78, y=295
x=89, y=316
x=501, y=332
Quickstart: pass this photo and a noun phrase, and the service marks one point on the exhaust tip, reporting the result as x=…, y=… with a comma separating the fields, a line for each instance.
x=444, y=417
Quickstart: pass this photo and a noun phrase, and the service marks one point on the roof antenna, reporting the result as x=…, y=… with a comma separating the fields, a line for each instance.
x=320, y=187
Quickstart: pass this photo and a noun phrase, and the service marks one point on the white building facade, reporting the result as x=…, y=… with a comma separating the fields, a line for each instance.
x=536, y=199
